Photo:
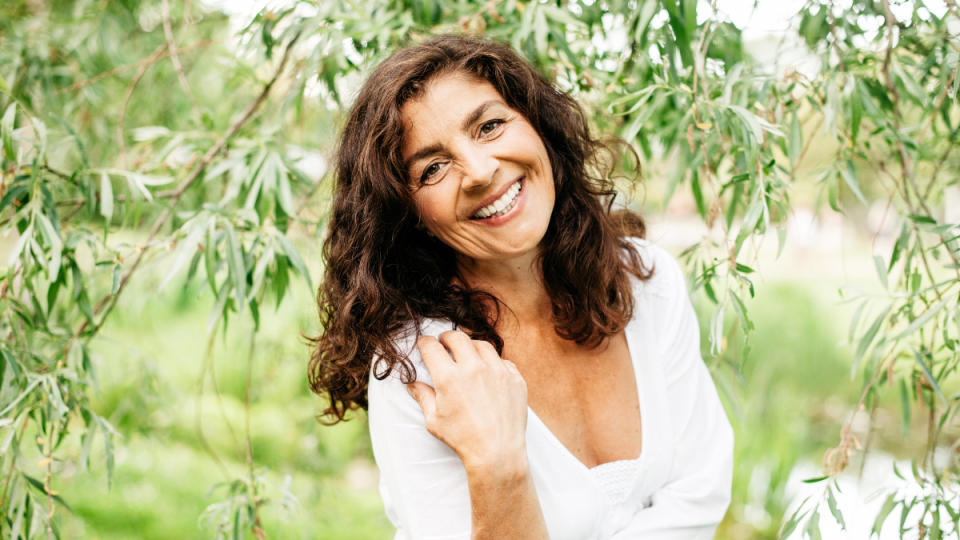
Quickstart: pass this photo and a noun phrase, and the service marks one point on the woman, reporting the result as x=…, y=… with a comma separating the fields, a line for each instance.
x=530, y=366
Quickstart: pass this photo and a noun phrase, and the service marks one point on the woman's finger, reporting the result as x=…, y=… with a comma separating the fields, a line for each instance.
x=460, y=346
x=486, y=351
x=425, y=396
x=435, y=356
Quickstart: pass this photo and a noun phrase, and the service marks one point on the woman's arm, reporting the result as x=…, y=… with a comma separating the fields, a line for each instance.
x=431, y=491
x=478, y=407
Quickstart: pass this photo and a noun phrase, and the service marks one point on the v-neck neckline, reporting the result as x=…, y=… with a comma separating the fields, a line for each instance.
x=644, y=432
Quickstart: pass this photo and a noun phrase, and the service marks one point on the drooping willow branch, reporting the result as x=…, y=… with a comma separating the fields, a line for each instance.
x=106, y=304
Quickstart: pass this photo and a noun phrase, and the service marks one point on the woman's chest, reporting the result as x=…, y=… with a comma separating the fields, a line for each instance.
x=587, y=398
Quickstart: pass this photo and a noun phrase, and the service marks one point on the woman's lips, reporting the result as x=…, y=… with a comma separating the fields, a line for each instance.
x=499, y=203
x=510, y=212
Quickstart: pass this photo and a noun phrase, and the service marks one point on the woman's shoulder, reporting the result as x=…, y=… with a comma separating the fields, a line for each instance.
x=405, y=343
x=666, y=275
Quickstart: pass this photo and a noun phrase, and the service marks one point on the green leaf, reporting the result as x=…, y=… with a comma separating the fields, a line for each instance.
x=106, y=197
x=295, y=259
x=38, y=485
x=540, y=29
x=834, y=509
x=795, y=140
x=855, y=320
x=284, y=197
x=816, y=480
x=881, y=270
x=922, y=219
x=53, y=241
x=849, y=176
x=21, y=243
x=885, y=510
x=117, y=277
x=813, y=526
x=904, y=407
x=40, y=132
x=238, y=270
x=899, y=246
x=921, y=320
x=210, y=257
x=930, y=378
x=867, y=339
x=856, y=115
x=259, y=272
x=107, y=430
x=742, y=311
x=793, y=521
x=6, y=131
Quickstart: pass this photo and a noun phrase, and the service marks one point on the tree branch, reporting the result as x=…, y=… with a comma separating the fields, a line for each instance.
x=106, y=304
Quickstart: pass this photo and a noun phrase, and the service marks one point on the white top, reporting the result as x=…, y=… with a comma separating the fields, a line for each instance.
x=680, y=490
x=616, y=478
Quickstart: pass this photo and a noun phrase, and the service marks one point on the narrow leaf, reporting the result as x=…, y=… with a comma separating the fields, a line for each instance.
x=929, y=375
x=237, y=268
x=106, y=197
x=6, y=131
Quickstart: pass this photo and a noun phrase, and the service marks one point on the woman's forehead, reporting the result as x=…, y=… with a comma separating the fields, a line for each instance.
x=448, y=104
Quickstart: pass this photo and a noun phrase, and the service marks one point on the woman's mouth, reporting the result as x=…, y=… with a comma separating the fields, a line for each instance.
x=501, y=206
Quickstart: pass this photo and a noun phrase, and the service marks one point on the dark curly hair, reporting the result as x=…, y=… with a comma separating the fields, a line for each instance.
x=383, y=272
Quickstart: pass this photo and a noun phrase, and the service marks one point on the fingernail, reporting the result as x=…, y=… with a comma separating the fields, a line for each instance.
x=412, y=392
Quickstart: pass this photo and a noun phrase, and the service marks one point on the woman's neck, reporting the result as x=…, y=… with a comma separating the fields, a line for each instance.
x=517, y=283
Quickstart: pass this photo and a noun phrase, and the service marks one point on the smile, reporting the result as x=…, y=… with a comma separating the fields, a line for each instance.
x=501, y=206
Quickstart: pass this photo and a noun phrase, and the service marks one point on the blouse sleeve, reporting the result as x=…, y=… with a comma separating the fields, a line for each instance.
x=422, y=481
x=693, y=501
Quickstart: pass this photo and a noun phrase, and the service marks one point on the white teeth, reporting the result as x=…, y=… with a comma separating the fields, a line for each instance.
x=501, y=205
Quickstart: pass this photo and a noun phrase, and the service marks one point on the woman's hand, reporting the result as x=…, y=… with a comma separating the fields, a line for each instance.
x=478, y=405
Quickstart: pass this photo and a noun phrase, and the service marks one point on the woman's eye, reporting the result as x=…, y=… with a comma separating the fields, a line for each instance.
x=431, y=170
x=489, y=127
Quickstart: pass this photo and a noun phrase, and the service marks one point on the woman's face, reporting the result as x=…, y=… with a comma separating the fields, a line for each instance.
x=480, y=174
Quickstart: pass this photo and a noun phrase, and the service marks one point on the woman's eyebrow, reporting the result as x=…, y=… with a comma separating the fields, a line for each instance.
x=478, y=112
x=422, y=153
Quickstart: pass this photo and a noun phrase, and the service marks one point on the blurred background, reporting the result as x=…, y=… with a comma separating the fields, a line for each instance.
x=165, y=183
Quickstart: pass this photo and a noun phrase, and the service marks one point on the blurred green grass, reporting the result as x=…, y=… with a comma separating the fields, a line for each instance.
x=792, y=394
x=150, y=359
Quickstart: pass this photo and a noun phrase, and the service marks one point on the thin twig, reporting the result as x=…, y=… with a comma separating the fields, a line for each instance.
x=936, y=170
x=6, y=483
x=256, y=527
x=174, y=57
x=154, y=56
x=940, y=100
x=201, y=437
x=116, y=71
x=836, y=38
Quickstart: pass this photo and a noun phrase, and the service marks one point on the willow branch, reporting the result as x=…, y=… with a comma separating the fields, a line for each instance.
x=106, y=304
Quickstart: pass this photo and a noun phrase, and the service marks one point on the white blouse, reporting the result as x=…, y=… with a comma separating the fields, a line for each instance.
x=678, y=488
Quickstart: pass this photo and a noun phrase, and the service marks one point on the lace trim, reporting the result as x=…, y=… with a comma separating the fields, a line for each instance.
x=616, y=478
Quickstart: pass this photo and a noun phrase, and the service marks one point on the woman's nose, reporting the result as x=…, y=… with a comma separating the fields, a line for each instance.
x=479, y=169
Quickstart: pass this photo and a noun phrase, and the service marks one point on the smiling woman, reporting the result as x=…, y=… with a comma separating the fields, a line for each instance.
x=476, y=279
